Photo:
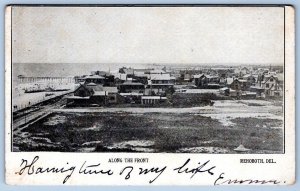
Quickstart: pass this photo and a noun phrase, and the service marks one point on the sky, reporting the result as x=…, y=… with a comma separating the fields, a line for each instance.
x=114, y=36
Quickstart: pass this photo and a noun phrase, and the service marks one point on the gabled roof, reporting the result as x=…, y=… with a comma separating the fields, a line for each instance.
x=236, y=80
x=267, y=78
x=198, y=75
x=87, y=89
x=160, y=76
x=245, y=68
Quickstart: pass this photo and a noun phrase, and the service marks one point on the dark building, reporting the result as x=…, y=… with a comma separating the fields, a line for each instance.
x=207, y=81
x=93, y=95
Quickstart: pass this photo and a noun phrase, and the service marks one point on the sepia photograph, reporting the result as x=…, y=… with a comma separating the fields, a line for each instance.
x=148, y=79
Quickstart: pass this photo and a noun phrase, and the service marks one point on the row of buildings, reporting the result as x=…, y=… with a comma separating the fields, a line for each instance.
x=142, y=86
x=153, y=86
x=262, y=85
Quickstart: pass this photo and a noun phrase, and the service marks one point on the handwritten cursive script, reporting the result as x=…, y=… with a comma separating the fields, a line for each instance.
x=220, y=181
x=188, y=168
x=201, y=168
x=31, y=168
x=143, y=171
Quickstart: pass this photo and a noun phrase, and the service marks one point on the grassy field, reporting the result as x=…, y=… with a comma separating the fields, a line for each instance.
x=148, y=132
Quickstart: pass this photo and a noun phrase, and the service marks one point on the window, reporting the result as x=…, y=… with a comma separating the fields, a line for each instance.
x=271, y=80
x=267, y=85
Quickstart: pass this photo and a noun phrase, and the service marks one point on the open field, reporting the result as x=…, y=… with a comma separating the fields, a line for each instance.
x=210, y=129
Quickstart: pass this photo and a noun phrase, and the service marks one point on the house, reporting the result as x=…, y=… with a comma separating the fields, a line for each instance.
x=159, y=83
x=85, y=90
x=207, y=81
x=131, y=86
x=224, y=72
x=251, y=79
x=162, y=79
x=107, y=95
x=94, y=79
x=186, y=76
x=112, y=94
x=244, y=71
x=236, y=85
x=81, y=96
x=120, y=78
x=141, y=77
x=200, y=80
x=93, y=95
x=240, y=85
x=272, y=86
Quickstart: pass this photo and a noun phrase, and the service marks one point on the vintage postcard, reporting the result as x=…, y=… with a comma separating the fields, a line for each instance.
x=150, y=95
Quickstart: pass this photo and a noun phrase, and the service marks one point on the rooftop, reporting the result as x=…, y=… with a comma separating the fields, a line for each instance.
x=161, y=77
x=132, y=83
